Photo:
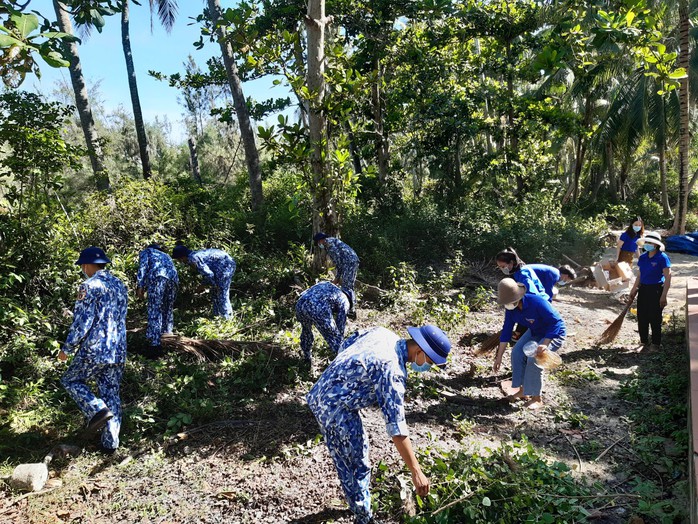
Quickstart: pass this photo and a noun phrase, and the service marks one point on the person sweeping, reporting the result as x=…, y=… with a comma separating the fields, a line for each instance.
x=652, y=289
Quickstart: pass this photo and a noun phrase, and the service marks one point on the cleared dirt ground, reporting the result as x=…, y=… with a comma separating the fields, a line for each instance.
x=269, y=467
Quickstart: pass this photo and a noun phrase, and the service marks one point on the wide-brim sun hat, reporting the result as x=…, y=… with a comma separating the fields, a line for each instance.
x=433, y=342
x=92, y=255
x=654, y=238
x=509, y=291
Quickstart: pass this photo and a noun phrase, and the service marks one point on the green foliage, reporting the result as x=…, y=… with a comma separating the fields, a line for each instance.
x=513, y=483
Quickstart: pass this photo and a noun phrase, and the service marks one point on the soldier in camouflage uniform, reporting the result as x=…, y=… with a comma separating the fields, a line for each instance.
x=346, y=262
x=325, y=306
x=157, y=275
x=217, y=267
x=371, y=369
x=97, y=337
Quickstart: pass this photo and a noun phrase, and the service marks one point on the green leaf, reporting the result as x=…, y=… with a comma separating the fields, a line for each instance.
x=486, y=502
x=8, y=41
x=677, y=74
x=25, y=23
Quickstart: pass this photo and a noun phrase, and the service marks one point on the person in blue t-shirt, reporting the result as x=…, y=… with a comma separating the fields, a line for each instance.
x=627, y=243
x=652, y=288
x=545, y=326
x=549, y=277
x=512, y=266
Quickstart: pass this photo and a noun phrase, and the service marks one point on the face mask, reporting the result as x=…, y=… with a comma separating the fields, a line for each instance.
x=84, y=274
x=637, y=228
x=321, y=246
x=511, y=307
x=505, y=270
x=420, y=369
x=561, y=283
x=649, y=247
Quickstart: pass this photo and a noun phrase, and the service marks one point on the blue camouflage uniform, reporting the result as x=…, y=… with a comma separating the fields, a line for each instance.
x=98, y=339
x=325, y=306
x=158, y=276
x=346, y=262
x=369, y=370
x=217, y=267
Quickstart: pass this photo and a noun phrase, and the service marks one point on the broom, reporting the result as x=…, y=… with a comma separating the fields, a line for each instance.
x=611, y=332
x=489, y=343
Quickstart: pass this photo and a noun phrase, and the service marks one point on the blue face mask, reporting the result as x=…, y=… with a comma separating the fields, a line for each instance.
x=637, y=228
x=505, y=270
x=321, y=246
x=649, y=247
x=420, y=369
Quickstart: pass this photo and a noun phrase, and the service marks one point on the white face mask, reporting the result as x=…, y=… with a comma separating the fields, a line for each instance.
x=512, y=306
x=505, y=270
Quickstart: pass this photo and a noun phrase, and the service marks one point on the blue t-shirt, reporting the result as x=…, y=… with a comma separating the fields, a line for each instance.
x=538, y=315
x=652, y=269
x=527, y=276
x=629, y=243
x=548, y=275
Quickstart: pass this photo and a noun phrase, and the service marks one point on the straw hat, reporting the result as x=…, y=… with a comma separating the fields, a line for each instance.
x=509, y=291
x=654, y=238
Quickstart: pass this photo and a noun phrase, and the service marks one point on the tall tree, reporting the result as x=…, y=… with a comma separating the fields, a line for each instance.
x=247, y=133
x=324, y=216
x=82, y=102
x=679, y=226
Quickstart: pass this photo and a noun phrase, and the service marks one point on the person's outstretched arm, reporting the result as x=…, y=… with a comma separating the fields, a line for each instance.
x=419, y=479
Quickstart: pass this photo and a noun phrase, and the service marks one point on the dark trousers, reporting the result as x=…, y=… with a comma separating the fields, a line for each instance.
x=649, y=313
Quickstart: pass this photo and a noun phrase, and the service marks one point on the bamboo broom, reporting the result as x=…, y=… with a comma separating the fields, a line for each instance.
x=611, y=332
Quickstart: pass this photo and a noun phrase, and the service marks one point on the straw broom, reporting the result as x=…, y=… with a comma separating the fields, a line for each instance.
x=489, y=343
x=612, y=331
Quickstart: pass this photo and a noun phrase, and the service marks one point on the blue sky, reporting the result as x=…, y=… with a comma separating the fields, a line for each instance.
x=102, y=60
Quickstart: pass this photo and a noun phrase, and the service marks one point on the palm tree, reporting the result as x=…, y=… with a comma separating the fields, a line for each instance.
x=82, y=102
x=679, y=226
x=167, y=12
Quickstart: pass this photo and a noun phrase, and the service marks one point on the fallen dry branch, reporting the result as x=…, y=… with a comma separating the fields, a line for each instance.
x=607, y=449
x=214, y=349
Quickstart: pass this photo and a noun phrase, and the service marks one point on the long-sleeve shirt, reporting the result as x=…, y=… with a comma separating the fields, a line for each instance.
x=528, y=277
x=538, y=315
x=98, y=331
x=340, y=253
x=213, y=264
x=369, y=370
x=154, y=263
x=322, y=297
x=548, y=276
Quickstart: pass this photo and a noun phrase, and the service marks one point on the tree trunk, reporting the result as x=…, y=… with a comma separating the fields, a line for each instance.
x=246, y=132
x=194, y=156
x=381, y=139
x=457, y=175
x=612, y=183
x=666, y=208
x=135, y=100
x=82, y=102
x=679, y=227
x=324, y=213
